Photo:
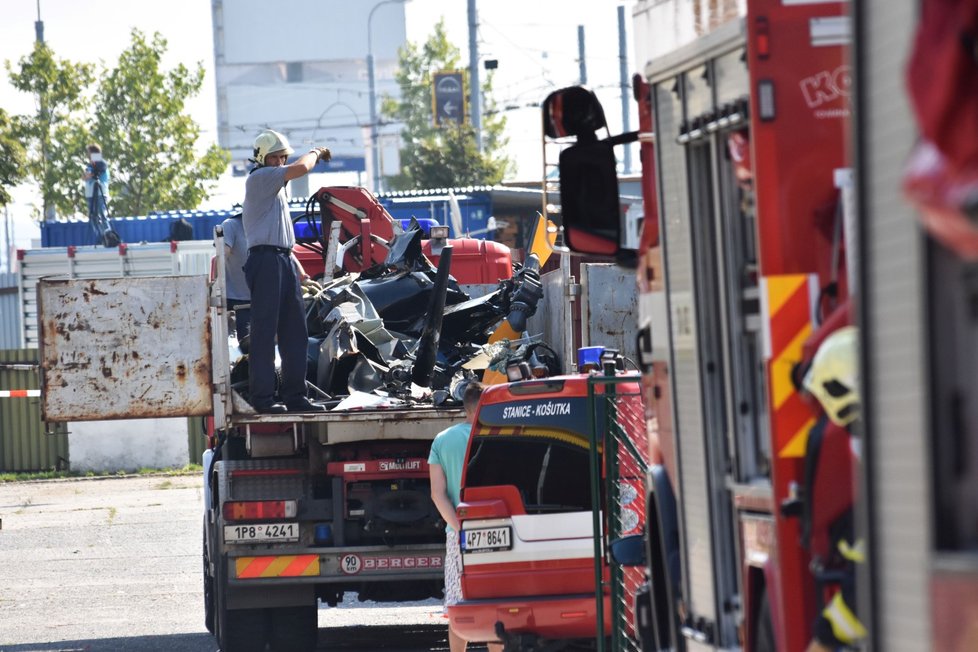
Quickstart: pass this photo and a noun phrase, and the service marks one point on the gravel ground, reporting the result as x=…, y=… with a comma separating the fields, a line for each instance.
x=114, y=565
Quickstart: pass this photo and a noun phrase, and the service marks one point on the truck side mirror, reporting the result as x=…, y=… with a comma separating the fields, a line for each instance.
x=590, y=204
x=629, y=551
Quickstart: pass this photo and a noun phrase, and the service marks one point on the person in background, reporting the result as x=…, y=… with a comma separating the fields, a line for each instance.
x=235, y=256
x=445, y=464
x=96, y=173
x=274, y=276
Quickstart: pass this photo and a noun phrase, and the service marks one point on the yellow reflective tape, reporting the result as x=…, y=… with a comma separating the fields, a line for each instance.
x=798, y=442
x=845, y=626
x=781, y=386
x=780, y=289
x=855, y=553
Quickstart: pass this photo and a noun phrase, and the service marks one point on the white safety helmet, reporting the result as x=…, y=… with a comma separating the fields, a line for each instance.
x=833, y=377
x=270, y=142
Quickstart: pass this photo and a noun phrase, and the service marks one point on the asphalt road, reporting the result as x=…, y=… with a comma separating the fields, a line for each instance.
x=114, y=565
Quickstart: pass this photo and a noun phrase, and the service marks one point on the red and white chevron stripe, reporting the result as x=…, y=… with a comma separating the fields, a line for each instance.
x=19, y=393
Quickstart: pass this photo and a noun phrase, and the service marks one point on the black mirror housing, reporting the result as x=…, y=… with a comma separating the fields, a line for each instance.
x=589, y=201
x=629, y=551
x=590, y=205
x=573, y=111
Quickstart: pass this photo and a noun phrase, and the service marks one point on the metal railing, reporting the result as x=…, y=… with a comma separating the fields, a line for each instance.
x=619, y=459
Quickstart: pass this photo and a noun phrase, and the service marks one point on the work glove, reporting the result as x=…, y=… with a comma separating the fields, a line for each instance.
x=322, y=153
x=311, y=286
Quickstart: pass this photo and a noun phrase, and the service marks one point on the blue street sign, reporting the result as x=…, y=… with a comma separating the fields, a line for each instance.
x=448, y=98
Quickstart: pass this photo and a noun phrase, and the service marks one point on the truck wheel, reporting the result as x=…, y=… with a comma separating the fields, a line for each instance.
x=294, y=629
x=764, y=630
x=208, y=587
x=238, y=630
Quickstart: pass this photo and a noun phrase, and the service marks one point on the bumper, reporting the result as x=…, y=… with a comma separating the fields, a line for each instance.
x=336, y=565
x=550, y=617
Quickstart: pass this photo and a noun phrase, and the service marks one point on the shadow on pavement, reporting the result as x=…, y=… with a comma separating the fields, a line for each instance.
x=389, y=638
x=202, y=642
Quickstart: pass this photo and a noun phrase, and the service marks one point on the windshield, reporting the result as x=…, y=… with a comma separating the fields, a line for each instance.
x=550, y=469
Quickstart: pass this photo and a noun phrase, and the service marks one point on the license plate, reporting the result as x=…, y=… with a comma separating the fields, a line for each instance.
x=487, y=539
x=258, y=532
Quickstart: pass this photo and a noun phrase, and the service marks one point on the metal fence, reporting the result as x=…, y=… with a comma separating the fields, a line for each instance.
x=25, y=444
x=197, y=430
x=9, y=312
x=619, y=459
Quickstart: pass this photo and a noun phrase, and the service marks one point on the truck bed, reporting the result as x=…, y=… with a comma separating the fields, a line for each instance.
x=418, y=422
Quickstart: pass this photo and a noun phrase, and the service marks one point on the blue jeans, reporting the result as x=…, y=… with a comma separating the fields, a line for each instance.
x=277, y=309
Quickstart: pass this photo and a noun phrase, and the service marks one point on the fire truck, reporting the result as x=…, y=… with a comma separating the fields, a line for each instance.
x=792, y=151
x=743, y=117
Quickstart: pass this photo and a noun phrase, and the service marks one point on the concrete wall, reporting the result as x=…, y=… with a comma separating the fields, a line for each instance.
x=128, y=445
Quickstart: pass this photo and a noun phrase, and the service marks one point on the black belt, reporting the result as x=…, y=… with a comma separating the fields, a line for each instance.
x=278, y=250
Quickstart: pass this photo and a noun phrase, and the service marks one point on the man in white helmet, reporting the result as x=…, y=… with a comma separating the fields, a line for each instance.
x=274, y=277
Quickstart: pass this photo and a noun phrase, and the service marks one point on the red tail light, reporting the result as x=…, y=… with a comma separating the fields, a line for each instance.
x=254, y=510
x=482, y=509
x=762, y=38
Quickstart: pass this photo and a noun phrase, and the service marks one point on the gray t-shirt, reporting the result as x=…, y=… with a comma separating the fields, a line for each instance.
x=234, y=237
x=267, y=220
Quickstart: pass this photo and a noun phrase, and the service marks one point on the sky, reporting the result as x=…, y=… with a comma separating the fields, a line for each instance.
x=534, y=41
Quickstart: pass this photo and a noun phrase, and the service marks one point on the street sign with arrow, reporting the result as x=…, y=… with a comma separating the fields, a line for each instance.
x=448, y=98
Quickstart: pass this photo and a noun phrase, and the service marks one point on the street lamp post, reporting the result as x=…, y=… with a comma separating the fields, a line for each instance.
x=374, y=148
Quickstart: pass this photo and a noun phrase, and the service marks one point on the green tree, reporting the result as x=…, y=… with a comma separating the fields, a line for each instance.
x=53, y=134
x=148, y=140
x=448, y=156
x=13, y=159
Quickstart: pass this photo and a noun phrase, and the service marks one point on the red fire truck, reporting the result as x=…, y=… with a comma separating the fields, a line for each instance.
x=743, y=117
x=750, y=218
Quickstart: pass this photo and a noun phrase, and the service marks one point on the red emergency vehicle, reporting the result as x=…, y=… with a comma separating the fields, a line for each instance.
x=743, y=118
x=527, y=516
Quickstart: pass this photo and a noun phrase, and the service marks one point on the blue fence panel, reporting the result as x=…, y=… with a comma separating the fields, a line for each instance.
x=475, y=207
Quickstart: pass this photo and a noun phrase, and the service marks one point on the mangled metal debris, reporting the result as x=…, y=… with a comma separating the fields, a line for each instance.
x=403, y=331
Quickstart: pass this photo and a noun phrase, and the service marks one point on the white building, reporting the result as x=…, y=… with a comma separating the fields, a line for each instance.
x=300, y=67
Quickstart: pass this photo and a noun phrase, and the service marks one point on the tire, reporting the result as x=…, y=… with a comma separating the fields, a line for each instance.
x=208, y=586
x=764, y=640
x=293, y=629
x=238, y=630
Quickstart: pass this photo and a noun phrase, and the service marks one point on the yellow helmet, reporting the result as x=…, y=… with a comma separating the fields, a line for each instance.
x=833, y=377
x=269, y=142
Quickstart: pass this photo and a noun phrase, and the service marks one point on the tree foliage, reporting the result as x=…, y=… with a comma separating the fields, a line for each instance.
x=148, y=139
x=13, y=159
x=51, y=135
x=447, y=156
x=135, y=111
